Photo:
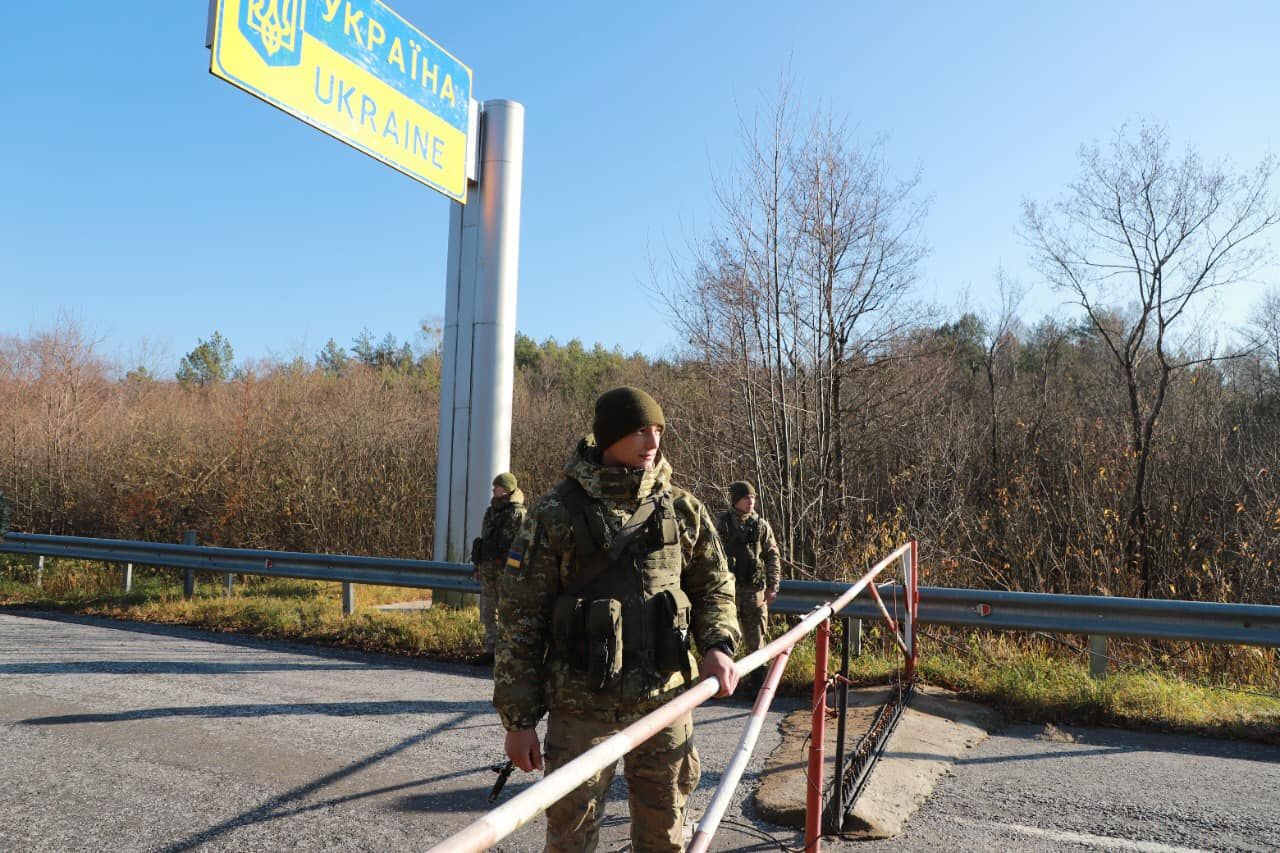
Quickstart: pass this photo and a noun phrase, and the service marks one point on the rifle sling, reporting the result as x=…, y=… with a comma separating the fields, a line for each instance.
x=592, y=563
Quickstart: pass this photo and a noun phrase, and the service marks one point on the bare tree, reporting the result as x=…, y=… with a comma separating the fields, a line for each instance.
x=999, y=347
x=1149, y=232
x=792, y=306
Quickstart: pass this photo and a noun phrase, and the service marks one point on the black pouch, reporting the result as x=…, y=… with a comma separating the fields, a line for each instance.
x=568, y=632
x=604, y=642
x=672, y=610
x=744, y=565
x=477, y=551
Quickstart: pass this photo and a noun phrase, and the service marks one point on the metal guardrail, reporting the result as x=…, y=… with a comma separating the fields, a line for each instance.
x=1250, y=624
x=378, y=571
x=1095, y=615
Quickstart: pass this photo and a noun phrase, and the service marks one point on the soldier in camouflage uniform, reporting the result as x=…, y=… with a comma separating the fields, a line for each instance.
x=615, y=576
x=502, y=520
x=755, y=562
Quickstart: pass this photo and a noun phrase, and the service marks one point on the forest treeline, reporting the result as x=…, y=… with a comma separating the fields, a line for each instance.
x=1023, y=488
x=1131, y=448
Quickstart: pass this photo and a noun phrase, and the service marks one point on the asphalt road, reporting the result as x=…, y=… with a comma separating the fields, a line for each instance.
x=134, y=737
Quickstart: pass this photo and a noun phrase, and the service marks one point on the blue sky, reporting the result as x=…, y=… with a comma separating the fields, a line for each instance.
x=153, y=203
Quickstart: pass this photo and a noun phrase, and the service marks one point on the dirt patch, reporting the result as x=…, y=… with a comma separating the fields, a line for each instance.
x=935, y=729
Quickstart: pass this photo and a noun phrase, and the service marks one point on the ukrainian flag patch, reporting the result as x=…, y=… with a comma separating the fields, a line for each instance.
x=514, y=558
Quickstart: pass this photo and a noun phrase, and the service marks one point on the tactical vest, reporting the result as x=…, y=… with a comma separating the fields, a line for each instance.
x=624, y=621
x=490, y=546
x=743, y=549
x=486, y=547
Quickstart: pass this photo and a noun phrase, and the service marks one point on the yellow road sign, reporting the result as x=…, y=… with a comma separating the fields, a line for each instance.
x=357, y=71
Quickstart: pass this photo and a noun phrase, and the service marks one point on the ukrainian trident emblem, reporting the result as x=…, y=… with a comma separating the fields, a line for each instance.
x=274, y=28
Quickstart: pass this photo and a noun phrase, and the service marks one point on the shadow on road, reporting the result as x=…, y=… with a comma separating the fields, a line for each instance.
x=1092, y=741
x=166, y=667
x=289, y=802
x=329, y=709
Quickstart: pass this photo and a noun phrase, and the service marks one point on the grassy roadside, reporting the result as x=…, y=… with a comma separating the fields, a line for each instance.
x=1026, y=678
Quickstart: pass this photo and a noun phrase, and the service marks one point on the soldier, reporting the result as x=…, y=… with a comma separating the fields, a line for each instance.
x=502, y=521
x=755, y=562
x=615, y=576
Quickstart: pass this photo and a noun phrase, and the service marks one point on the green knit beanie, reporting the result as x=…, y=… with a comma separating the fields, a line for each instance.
x=624, y=410
x=739, y=490
x=506, y=480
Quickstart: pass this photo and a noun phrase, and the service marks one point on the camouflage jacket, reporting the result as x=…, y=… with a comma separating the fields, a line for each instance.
x=737, y=535
x=543, y=563
x=502, y=521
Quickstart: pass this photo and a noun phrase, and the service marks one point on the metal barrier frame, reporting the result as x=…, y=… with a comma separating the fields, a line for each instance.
x=510, y=816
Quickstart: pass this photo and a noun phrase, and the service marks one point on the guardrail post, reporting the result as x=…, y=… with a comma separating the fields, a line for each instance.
x=126, y=577
x=857, y=637
x=40, y=572
x=348, y=599
x=228, y=584
x=188, y=575
x=1098, y=655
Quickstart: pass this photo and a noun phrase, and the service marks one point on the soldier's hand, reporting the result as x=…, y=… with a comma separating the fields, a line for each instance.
x=770, y=594
x=717, y=664
x=524, y=750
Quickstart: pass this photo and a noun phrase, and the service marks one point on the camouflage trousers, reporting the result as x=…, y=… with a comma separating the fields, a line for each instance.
x=753, y=617
x=489, y=605
x=660, y=774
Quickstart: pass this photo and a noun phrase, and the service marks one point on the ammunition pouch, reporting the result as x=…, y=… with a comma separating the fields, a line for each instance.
x=604, y=642
x=672, y=612
x=587, y=635
x=477, y=551
x=568, y=631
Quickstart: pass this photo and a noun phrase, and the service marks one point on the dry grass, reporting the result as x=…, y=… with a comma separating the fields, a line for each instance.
x=1033, y=678
x=276, y=608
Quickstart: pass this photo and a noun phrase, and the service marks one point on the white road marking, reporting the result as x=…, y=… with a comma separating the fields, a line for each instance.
x=1105, y=842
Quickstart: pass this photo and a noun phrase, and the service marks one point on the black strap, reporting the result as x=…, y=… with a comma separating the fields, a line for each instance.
x=632, y=528
x=592, y=558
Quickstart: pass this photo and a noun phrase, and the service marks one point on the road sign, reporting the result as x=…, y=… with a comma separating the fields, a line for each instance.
x=357, y=71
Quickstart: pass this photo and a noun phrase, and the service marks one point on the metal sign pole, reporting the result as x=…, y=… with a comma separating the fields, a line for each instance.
x=477, y=373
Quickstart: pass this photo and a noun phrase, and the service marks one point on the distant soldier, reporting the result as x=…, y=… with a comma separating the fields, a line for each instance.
x=502, y=521
x=615, y=576
x=755, y=562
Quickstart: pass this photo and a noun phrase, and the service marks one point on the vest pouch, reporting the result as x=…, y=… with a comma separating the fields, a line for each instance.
x=568, y=631
x=672, y=610
x=745, y=563
x=477, y=551
x=670, y=533
x=604, y=642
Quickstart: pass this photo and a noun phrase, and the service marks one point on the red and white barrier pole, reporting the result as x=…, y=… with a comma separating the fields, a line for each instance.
x=912, y=592
x=714, y=812
x=817, y=741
